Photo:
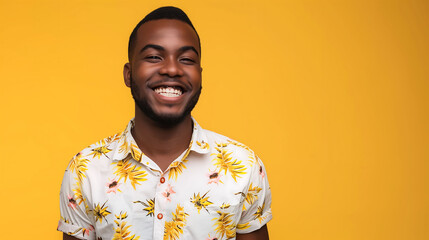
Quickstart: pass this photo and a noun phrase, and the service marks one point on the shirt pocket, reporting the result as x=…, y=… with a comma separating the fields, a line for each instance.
x=206, y=216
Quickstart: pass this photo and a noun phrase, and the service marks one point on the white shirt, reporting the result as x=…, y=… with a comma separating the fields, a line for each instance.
x=217, y=187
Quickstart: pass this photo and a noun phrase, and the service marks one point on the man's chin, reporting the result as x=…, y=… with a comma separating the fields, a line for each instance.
x=167, y=120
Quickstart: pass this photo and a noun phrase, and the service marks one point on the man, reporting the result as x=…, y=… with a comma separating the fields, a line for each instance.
x=165, y=177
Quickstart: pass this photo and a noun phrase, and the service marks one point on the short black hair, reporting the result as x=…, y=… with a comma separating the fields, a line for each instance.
x=168, y=12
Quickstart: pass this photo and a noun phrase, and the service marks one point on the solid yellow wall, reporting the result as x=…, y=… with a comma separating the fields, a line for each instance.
x=332, y=95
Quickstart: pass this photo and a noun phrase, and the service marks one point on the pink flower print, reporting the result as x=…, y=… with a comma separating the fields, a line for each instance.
x=72, y=202
x=87, y=230
x=113, y=186
x=261, y=172
x=168, y=192
x=214, y=177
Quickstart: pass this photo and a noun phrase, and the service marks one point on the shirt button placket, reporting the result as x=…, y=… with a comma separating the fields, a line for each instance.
x=159, y=221
x=158, y=228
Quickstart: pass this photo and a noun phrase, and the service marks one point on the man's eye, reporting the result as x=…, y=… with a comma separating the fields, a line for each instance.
x=187, y=60
x=153, y=58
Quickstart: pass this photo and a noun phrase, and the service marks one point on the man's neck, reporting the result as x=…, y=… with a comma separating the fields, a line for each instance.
x=161, y=144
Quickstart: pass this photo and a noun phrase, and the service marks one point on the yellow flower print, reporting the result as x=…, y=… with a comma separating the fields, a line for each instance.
x=259, y=213
x=225, y=206
x=100, y=212
x=252, y=195
x=201, y=202
x=224, y=225
x=150, y=206
x=251, y=153
x=173, y=229
x=136, y=153
x=97, y=152
x=221, y=145
x=79, y=197
x=124, y=147
x=78, y=192
x=110, y=139
x=243, y=226
x=85, y=231
x=203, y=145
x=64, y=219
x=127, y=170
x=121, y=231
x=239, y=145
x=78, y=165
x=121, y=216
x=176, y=168
x=225, y=163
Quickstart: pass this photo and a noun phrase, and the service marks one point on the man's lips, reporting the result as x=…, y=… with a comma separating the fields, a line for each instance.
x=169, y=89
x=165, y=84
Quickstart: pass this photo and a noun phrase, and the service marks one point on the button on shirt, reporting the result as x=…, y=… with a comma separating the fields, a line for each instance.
x=216, y=188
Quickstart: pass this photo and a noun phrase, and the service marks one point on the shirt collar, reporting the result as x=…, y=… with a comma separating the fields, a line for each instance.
x=128, y=146
x=199, y=142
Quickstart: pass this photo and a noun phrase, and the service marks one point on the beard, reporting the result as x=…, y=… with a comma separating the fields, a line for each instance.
x=164, y=120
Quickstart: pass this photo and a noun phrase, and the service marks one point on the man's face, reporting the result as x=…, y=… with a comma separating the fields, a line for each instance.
x=164, y=73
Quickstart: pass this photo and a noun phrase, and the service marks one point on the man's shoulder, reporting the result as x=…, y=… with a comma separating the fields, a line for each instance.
x=231, y=153
x=221, y=141
x=102, y=148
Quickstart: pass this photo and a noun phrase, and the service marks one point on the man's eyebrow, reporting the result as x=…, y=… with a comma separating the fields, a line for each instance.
x=160, y=48
x=157, y=47
x=186, y=48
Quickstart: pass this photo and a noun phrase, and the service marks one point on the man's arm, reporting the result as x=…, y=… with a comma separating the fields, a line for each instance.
x=260, y=234
x=68, y=237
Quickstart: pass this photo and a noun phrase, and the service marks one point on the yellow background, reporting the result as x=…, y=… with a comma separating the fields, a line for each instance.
x=332, y=95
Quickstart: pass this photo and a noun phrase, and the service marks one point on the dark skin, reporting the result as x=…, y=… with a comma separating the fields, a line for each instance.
x=166, y=49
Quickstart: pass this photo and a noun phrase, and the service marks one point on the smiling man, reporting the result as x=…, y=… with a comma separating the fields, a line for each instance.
x=165, y=177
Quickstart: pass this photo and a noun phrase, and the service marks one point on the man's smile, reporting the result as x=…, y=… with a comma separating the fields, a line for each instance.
x=168, y=91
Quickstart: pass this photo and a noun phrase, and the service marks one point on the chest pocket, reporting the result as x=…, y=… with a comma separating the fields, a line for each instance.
x=209, y=212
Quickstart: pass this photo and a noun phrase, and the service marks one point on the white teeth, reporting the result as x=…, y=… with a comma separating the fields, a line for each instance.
x=168, y=91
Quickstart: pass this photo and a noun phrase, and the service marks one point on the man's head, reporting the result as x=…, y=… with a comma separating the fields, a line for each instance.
x=164, y=71
x=160, y=13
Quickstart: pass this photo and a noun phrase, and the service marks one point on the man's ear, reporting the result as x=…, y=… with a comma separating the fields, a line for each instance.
x=127, y=74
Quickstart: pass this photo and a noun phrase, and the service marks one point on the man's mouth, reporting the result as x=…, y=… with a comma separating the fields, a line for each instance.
x=169, y=91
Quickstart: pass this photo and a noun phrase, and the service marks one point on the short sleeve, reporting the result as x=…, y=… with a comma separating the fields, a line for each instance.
x=257, y=204
x=74, y=219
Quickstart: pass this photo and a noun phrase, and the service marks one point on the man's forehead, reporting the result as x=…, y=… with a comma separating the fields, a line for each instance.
x=162, y=27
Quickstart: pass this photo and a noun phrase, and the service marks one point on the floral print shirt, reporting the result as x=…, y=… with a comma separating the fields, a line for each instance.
x=217, y=188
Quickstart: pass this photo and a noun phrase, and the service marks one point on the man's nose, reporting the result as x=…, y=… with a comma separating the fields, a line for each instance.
x=171, y=67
